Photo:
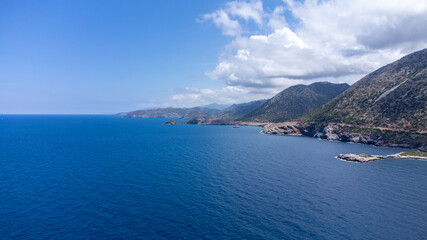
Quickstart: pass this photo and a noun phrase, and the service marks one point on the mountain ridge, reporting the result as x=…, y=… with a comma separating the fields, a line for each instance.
x=394, y=96
x=295, y=101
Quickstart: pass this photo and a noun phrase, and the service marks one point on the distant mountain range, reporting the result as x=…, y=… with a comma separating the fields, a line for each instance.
x=183, y=113
x=203, y=113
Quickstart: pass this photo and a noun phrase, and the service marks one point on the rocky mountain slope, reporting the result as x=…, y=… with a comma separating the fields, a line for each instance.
x=394, y=96
x=388, y=107
x=294, y=102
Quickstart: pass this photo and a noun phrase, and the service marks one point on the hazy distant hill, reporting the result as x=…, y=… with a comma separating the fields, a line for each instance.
x=238, y=110
x=201, y=113
x=295, y=101
x=184, y=113
x=216, y=106
x=393, y=96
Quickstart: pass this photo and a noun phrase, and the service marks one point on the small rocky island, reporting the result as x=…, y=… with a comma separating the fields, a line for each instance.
x=172, y=122
x=368, y=158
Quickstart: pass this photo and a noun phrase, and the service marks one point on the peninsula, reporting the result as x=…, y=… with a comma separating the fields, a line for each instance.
x=368, y=158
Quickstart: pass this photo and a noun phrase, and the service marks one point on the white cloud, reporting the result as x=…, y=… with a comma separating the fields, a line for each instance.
x=222, y=20
x=276, y=19
x=336, y=40
x=247, y=10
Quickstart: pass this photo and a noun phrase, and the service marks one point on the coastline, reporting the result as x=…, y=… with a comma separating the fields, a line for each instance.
x=377, y=136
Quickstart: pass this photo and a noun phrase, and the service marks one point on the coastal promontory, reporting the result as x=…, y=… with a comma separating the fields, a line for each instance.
x=369, y=158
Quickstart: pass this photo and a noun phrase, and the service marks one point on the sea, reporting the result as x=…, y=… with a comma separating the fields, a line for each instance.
x=108, y=177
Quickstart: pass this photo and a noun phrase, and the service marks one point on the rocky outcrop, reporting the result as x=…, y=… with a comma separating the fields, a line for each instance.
x=349, y=133
x=172, y=122
x=285, y=128
x=358, y=157
x=368, y=158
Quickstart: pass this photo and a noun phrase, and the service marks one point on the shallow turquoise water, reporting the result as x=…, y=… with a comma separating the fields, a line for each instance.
x=106, y=177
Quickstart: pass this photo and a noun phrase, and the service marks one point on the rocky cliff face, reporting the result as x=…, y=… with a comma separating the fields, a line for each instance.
x=348, y=133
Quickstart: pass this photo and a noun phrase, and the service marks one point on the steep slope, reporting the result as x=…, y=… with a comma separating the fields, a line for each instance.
x=394, y=96
x=295, y=101
x=239, y=110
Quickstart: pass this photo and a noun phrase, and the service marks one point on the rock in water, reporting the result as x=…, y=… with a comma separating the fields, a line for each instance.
x=172, y=122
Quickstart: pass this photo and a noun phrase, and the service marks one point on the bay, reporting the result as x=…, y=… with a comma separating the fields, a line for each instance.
x=107, y=177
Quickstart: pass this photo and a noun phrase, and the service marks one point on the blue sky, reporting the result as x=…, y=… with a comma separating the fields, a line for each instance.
x=113, y=56
x=101, y=56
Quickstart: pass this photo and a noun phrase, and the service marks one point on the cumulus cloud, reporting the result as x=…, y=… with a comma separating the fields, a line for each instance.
x=222, y=20
x=335, y=40
x=247, y=10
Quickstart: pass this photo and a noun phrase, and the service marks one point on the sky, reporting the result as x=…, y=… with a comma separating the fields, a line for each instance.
x=102, y=57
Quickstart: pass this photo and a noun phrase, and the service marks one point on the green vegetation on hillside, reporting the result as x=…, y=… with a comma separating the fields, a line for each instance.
x=414, y=153
x=365, y=155
x=238, y=110
x=295, y=101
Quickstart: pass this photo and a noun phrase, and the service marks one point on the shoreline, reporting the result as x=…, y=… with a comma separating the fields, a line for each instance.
x=375, y=136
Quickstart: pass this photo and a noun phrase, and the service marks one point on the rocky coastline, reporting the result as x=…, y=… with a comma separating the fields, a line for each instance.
x=350, y=133
x=216, y=122
x=332, y=131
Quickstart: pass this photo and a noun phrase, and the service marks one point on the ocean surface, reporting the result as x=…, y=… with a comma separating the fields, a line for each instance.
x=107, y=177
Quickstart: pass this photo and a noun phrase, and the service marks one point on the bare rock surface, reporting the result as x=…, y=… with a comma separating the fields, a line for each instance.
x=368, y=158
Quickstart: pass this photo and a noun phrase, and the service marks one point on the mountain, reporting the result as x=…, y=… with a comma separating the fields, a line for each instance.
x=199, y=113
x=295, y=101
x=394, y=96
x=388, y=107
x=184, y=113
x=210, y=111
x=239, y=110
x=216, y=106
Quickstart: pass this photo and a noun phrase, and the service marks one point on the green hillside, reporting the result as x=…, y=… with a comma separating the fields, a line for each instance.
x=295, y=101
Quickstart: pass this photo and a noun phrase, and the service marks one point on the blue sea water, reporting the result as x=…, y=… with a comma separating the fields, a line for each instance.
x=107, y=177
